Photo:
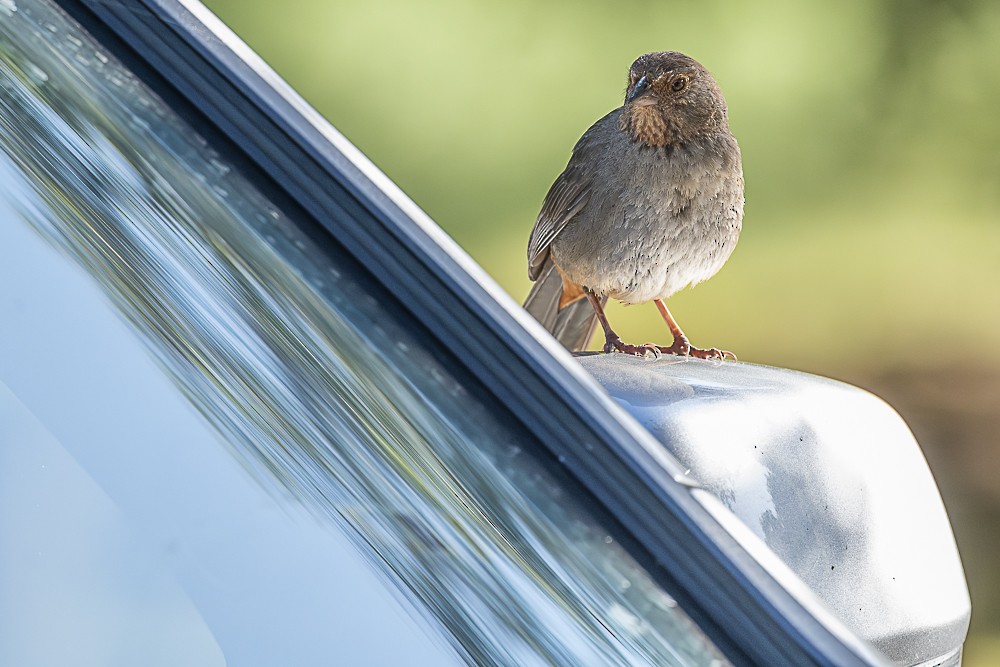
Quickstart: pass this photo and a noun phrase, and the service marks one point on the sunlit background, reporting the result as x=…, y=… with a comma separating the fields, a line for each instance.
x=871, y=149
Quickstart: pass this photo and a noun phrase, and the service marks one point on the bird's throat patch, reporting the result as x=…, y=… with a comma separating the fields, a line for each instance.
x=646, y=124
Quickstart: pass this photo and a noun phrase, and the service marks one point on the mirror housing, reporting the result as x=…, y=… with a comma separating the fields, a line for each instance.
x=828, y=476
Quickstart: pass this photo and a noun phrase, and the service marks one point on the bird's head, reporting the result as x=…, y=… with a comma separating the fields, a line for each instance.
x=671, y=99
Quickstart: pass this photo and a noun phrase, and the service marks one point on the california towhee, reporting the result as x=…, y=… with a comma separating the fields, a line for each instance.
x=650, y=202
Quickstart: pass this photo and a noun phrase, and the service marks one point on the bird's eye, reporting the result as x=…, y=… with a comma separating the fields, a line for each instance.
x=679, y=84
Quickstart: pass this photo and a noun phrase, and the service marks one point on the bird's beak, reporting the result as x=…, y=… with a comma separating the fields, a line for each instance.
x=638, y=90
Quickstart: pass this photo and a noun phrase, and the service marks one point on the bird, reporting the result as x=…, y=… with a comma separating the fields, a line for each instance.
x=650, y=202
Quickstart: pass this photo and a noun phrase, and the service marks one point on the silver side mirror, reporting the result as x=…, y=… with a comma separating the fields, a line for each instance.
x=828, y=476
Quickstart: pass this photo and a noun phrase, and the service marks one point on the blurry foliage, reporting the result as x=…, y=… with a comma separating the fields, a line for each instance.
x=868, y=133
x=871, y=244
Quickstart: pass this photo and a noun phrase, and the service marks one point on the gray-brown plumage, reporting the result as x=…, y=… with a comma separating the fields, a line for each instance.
x=650, y=202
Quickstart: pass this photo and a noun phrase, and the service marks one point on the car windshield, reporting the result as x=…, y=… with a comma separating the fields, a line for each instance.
x=226, y=396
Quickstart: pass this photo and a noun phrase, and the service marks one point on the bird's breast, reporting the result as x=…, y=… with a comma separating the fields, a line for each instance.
x=659, y=221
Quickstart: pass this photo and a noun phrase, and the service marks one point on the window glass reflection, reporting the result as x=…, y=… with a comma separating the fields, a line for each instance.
x=129, y=533
x=58, y=524
x=317, y=383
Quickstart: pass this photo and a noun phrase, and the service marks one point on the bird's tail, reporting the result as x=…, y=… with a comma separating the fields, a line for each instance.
x=571, y=323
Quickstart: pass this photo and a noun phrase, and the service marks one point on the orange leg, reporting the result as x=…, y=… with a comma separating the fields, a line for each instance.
x=612, y=340
x=682, y=346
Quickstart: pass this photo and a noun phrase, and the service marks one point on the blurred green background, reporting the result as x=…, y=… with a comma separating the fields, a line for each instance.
x=871, y=149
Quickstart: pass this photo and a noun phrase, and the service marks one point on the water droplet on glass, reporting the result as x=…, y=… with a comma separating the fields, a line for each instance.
x=7, y=7
x=35, y=73
x=219, y=166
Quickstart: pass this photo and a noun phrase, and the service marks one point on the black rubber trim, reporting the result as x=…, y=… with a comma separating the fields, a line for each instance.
x=748, y=612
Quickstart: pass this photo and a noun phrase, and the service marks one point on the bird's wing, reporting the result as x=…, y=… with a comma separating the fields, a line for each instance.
x=567, y=196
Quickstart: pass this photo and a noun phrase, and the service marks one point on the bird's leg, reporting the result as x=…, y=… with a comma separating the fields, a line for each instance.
x=681, y=344
x=612, y=340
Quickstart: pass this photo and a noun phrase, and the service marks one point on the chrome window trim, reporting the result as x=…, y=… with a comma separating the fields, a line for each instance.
x=756, y=614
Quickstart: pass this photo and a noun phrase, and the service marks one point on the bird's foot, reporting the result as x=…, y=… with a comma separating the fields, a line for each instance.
x=712, y=353
x=683, y=348
x=615, y=344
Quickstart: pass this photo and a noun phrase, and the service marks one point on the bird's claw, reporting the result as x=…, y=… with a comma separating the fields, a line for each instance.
x=616, y=345
x=683, y=348
x=713, y=353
